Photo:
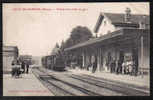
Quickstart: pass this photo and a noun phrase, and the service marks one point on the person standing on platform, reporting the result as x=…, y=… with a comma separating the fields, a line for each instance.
x=27, y=67
x=23, y=66
x=94, y=64
x=119, y=67
x=14, y=62
x=113, y=65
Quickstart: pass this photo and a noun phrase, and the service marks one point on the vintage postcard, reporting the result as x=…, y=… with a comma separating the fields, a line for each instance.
x=76, y=49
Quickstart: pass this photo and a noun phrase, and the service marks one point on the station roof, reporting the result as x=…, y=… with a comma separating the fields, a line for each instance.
x=105, y=37
x=120, y=18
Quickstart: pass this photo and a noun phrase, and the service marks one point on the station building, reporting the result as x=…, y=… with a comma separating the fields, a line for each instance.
x=9, y=54
x=119, y=35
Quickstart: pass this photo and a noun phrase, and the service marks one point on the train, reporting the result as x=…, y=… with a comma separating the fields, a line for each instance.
x=53, y=62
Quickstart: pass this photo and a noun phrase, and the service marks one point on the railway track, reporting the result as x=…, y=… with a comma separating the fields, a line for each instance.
x=116, y=82
x=78, y=85
x=54, y=86
x=90, y=87
x=60, y=87
x=120, y=88
x=55, y=89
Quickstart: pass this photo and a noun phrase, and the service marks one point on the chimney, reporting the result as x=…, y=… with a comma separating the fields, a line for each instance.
x=127, y=15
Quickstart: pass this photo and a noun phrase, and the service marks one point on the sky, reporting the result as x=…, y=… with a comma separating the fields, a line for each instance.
x=36, y=32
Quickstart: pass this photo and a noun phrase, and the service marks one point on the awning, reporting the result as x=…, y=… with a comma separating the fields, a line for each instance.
x=126, y=32
x=96, y=40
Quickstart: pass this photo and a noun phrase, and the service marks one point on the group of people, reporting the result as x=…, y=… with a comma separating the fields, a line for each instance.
x=19, y=67
x=25, y=67
x=120, y=66
x=93, y=64
x=125, y=67
x=117, y=66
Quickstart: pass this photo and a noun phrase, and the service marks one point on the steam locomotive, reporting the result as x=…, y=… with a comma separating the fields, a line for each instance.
x=54, y=62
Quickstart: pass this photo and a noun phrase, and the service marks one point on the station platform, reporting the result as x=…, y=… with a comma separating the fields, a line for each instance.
x=26, y=85
x=132, y=80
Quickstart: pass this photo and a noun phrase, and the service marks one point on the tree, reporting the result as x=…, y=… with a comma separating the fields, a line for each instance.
x=68, y=43
x=57, y=45
x=80, y=34
x=55, y=50
x=62, y=45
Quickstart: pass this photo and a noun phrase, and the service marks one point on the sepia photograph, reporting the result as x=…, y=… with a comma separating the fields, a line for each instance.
x=76, y=49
